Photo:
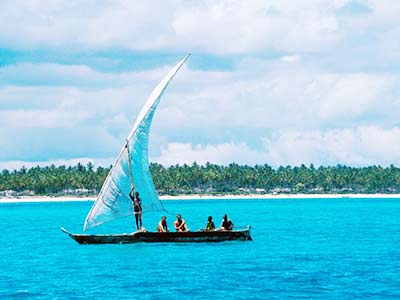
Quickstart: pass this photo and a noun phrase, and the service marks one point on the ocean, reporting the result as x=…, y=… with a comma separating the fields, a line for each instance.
x=302, y=249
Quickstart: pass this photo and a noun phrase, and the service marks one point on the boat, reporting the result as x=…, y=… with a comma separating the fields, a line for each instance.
x=131, y=171
x=162, y=237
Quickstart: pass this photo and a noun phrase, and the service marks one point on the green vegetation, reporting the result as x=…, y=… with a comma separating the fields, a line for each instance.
x=209, y=179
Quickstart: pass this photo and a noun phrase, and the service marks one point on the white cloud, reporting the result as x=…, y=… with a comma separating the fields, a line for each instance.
x=18, y=164
x=364, y=145
x=257, y=99
x=349, y=95
x=41, y=118
x=177, y=153
x=304, y=73
x=290, y=58
x=212, y=26
x=51, y=74
x=273, y=95
x=360, y=146
x=71, y=95
x=252, y=26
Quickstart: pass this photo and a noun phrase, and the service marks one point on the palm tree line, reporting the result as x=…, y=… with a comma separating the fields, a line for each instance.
x=210, y=179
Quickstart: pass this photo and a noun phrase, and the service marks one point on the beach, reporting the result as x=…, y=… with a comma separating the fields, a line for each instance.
x=39, y=199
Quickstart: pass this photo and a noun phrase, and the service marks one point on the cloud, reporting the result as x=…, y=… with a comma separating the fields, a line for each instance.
x=176, y=153
x=346, y=95
x=41, y=118
x=232, y=26
x=272, y=95
x=209, y=108
x=63, y=23
x=340, y=35
x=51, y=74
x=31, y=144
x=238, y=27
x=290, y=58
x=359, y=146
x=18, y=164
x=72, y=79
x=354, y=8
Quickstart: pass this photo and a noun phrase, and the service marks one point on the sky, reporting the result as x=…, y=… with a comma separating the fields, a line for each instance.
x=268, y=82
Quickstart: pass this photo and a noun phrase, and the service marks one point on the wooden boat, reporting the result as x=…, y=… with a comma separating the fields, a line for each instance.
x=130, y=172
x=162, y=237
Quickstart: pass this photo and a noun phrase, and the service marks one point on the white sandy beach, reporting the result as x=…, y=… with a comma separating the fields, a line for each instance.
x=33, y=199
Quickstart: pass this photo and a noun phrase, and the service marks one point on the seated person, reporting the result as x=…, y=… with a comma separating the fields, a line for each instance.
x=162, y=225
x=210, y=224
x=226, y=223
x=180, y=224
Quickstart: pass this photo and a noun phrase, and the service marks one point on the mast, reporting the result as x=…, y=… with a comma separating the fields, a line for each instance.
x=129, y=165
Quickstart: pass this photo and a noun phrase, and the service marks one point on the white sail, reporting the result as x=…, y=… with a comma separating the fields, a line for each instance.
x=132, y=164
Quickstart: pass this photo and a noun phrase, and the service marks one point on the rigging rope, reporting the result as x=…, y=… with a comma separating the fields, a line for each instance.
x=129, y=165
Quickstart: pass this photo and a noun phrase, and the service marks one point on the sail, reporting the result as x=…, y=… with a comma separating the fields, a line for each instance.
x=131, y=168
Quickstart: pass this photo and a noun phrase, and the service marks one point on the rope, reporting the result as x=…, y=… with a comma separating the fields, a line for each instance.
x=129, y=166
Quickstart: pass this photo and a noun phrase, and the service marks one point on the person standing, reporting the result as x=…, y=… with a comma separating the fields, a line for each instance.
x=137, y=208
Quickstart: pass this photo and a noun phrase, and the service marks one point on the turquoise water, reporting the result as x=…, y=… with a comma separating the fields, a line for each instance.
x=302, y=249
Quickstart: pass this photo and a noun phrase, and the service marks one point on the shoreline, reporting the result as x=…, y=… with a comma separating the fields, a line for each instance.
x=43, y=199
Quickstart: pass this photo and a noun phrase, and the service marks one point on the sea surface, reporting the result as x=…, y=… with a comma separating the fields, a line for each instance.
x=302, y=249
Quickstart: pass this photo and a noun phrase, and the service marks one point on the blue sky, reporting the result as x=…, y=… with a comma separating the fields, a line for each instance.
x=277, y=82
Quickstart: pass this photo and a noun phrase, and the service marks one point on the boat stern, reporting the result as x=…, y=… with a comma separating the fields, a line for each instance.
x=247, y=235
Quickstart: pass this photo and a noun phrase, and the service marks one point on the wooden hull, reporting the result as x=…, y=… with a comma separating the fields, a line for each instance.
x=162, y=237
